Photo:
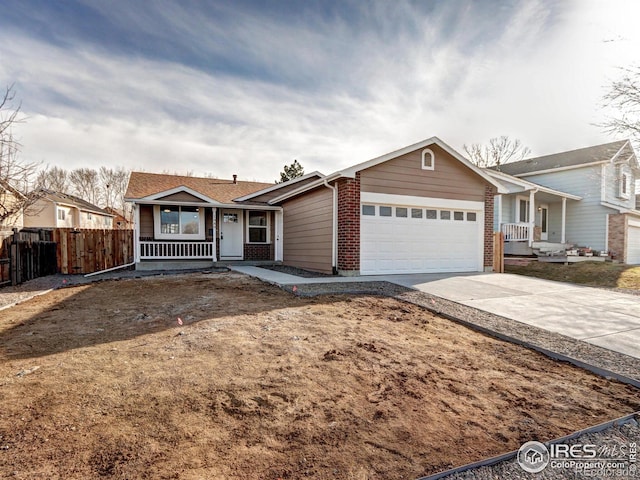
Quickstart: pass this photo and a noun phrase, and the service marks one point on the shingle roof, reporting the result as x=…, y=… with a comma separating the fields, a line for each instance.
x=143, y=184
x=598, y=153
x=67, y=199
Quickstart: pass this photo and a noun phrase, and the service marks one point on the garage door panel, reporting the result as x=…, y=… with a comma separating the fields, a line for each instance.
x=633, y=245
x=415, y=245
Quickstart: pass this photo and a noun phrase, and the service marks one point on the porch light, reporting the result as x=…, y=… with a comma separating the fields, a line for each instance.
x=539, y=209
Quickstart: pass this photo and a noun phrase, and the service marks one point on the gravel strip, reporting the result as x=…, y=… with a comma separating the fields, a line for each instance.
x=617, y=438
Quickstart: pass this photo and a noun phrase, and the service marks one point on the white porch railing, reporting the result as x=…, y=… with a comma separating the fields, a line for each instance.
x=175, y=250
x=516, y=232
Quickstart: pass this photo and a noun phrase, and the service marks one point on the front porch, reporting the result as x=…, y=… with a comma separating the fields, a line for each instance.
x=531, y=214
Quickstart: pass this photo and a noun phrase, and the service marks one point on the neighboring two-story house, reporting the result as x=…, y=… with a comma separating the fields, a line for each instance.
x=61, y=210
x=585, y=197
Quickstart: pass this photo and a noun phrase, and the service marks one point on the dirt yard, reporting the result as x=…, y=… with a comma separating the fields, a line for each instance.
x=101, y=381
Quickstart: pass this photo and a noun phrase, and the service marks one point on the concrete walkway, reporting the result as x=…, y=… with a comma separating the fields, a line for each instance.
x=601, y=317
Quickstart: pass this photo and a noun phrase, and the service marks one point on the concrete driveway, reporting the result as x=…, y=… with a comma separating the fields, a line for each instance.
x=601, y=317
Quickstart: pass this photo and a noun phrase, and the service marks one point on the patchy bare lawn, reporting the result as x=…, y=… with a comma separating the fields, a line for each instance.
x=100, y=381
x=594, y=274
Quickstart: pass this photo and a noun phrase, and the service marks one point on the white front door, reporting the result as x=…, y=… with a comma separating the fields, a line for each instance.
x=544, y=222
x=231, y=238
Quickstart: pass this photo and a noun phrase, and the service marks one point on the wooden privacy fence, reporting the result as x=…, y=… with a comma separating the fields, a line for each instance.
x=28, y=254
x=88, y=251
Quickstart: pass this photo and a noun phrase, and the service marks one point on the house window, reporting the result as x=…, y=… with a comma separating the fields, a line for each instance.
x=624, y=185
x=369, y=210
x=89, y=217
x=523, y=215
x=179, y=222
x=416, y=213
x=61, y=214
x=385, y=211
x=258, y=227
x=428, y=159
x=401, y=212
x=432, y=214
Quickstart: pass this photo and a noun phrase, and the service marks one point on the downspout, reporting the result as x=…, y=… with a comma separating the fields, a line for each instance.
x=334, y=228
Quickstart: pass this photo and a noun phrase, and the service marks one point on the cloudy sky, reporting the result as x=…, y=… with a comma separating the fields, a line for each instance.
x=223, y=87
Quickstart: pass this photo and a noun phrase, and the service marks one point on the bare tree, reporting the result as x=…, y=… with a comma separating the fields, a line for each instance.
x=114, y=186
x=85, y=184
x=54, y=178
x=624, y=97
x=16, y=176
x=499, y=151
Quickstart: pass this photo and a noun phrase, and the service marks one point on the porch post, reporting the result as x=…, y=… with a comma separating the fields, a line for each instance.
x=136, y=232
x=214, y=232
x=279, y=253
x=499, y=207
x=532, y=215
x=564, y=220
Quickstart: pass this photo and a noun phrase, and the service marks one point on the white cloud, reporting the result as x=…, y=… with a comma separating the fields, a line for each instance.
x=325, y=91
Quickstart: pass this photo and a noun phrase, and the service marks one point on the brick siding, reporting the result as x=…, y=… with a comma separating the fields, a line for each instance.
x=617, y=235
x=489, y=193
x=258, y=251
x=349, y=225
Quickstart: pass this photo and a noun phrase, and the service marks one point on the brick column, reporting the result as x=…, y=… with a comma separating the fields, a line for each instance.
x=617, y=235
x=489, y=193
x=349, y=226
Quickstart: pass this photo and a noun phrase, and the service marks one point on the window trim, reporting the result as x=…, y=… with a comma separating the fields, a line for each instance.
x=178, y=236
x=432, y=159
x=267, y=227
x=624, y=184
x=525, y=199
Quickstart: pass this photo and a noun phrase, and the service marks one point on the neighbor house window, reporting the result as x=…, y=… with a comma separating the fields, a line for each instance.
x=258, y=227
x=523, y=215
x=179, y=221
x=61, y=214
x=624, y=185
x=428, y=159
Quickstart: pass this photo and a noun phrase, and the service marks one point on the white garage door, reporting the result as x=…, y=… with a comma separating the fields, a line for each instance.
x=633, y=243
x=416, y=239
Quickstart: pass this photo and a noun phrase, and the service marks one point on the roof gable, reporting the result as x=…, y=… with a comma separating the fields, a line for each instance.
x=351, y=171
x=152, y=186
x=564, y=160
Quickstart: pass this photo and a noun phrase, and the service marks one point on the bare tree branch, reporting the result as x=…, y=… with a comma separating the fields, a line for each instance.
x=499, y=151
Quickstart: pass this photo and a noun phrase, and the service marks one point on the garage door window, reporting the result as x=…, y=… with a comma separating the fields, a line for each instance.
x=458, y=215
x=471, y=216
x=369, y=210
x=385, y=211
x=416, y=213
x=401, y=212
x=445, y=215
x=432, y=214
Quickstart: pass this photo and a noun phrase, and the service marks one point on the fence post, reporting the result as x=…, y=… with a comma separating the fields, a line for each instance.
x=498, y=252
x=14, y=258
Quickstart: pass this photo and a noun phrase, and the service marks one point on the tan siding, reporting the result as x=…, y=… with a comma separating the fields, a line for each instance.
x=307, y=231
x=41, y=214
x=404, y=176
x=146, y=221
x=181, y=197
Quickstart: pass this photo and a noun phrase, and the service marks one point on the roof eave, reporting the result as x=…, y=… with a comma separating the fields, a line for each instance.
x=278, y=186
